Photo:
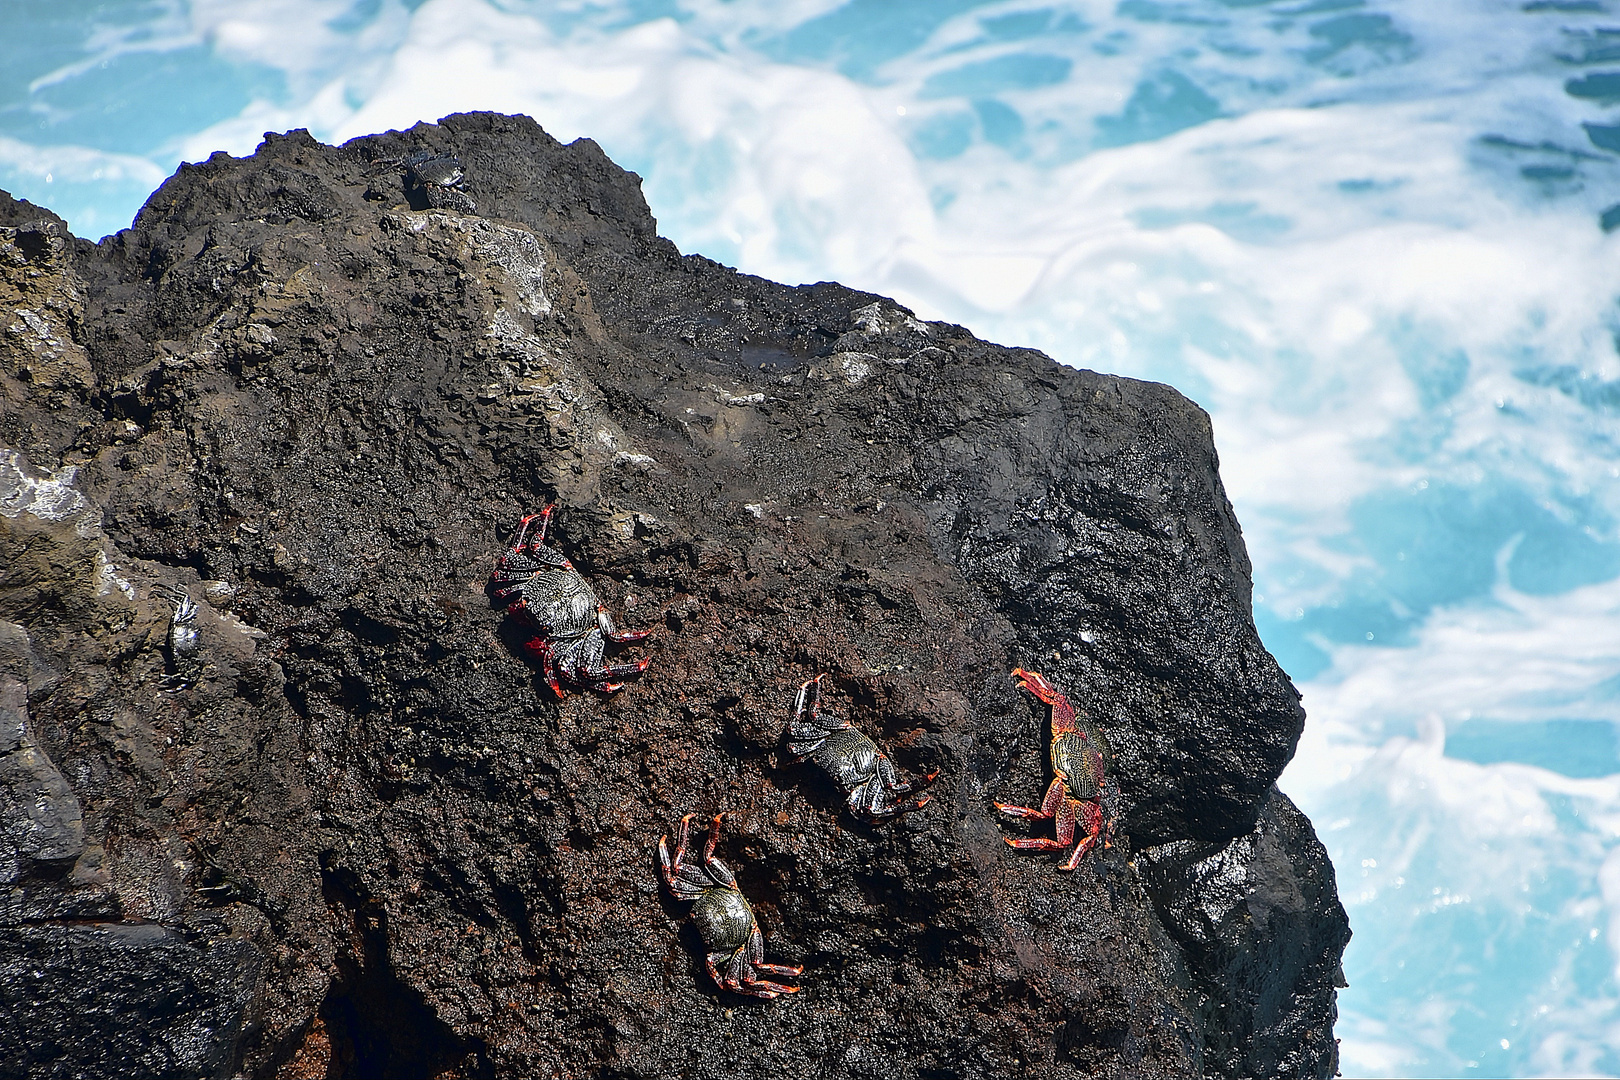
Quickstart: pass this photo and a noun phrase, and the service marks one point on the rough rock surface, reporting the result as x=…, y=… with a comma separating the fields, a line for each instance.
x=361, y=838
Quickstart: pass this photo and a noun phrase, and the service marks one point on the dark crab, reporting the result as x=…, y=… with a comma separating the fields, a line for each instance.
x=1079, y=757
x=850, y=758
x=571, y=628
x=426, y=167
x=734, y=949
x=433, y=180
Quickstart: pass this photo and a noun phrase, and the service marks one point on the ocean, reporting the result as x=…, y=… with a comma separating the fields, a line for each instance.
x=1376, y=240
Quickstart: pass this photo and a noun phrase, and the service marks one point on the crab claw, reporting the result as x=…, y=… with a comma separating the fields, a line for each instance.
x=1037, y=685
x=809, y=697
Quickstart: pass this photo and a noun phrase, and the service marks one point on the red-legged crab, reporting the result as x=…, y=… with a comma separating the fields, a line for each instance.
x=850, y=758
x=734, y=949
x=1079, y=754
x=571, y=627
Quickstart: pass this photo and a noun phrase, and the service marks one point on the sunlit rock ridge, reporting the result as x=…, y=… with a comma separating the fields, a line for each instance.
x=359, y=836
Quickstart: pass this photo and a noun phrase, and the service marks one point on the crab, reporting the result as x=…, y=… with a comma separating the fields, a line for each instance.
x=1079, y=755
x=182, y=620
x=426, y=167
x=571, y=626
x=182, y=640
x=850, y=758
x=734, y=949
x=433, y=179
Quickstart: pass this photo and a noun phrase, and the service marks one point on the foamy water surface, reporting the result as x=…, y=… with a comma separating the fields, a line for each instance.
x=1372, y=238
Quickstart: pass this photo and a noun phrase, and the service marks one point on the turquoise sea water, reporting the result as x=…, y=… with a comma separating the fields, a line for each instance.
x=1378, y=241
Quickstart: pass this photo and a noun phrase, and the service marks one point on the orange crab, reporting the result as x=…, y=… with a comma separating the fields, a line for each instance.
x=1079, y=754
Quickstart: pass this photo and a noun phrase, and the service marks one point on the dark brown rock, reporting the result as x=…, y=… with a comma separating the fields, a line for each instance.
x=390, y=851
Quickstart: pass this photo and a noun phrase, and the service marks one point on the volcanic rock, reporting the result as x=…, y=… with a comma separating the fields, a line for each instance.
x=361, y=837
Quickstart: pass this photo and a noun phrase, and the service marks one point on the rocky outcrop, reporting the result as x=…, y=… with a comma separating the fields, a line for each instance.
x=360, y=837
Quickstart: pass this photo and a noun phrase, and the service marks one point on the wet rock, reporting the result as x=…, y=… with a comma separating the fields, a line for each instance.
x=121, y=999
x=376, y=844
x=1260, y=920
x=41, y=825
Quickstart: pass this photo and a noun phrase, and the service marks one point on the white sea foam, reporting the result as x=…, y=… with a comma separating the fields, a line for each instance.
x=1365, y=238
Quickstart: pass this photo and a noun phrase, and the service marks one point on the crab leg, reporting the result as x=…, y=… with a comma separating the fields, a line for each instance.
x=811, y=697
x=763, y=988
x=545, y=522
x=907, y=807
x=672, y=864
x=875, y=794
x=1055, y=794
x=714, y=838
x=724, y=982
x=541, y=649
x=755, y=988
x=686, y=879
x=1065, y=822
x=739, y=976
x=600, y=678
x=604, y=622
x=1093, y=825
x=895, y=786
x=756, y=956
x=616, y=671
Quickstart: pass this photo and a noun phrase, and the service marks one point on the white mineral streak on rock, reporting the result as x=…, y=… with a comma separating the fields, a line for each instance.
x=856, y=365
x=514, y=263
x=38, y=333
x=515, y=252
x=218, y=592
x=51, y=498
x=612, y=439
x=874, y=319
x=502, y=327
x=107, y=578
x=638, y=462
x=236, y=624
x=33, y=323
x=518, y=253
x=557, y=395
x=726, y=397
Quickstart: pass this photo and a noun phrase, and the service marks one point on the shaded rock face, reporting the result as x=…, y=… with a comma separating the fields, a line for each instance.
x=358, y=836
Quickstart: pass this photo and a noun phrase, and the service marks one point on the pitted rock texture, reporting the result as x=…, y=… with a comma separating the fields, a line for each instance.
x=363, y=838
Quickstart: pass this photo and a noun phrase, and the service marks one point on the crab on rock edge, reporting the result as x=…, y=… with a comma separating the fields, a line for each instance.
x=1079, y=755
x=850, y=758
x=571, y=626
x=734, y=949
